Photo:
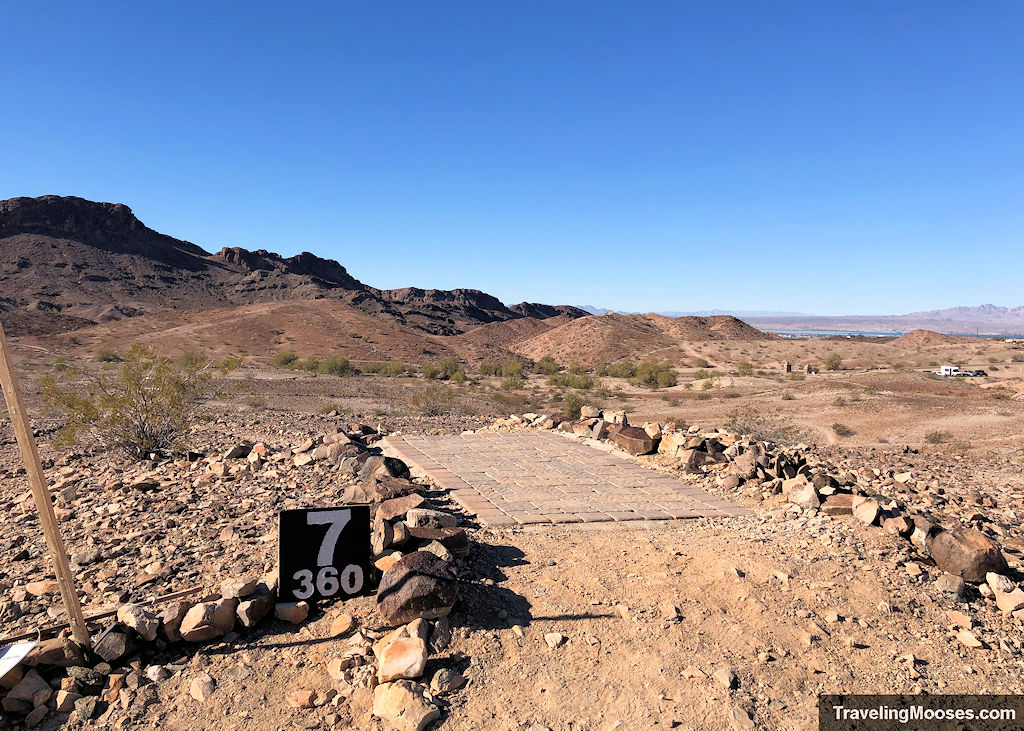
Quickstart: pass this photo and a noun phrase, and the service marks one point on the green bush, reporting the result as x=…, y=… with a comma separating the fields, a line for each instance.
x=337, y=365
x=581, y=381
x=513, y=382
x=621, y=369
x=745, y=368
x=107, y=355
x=391, y=368
x=491, y=368
x=285, y=359
x=513, y=369
x=434, y=400
x=148, y=405
x=448, y=369
x=700, y=363
x=572, y=406
x=430, y=370
x=546, y=366
x=833, y=362
x=654, y=374
x=842, y=430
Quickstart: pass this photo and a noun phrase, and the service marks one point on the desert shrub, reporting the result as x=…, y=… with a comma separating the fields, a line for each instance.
x=842, y=430
x=513, y=368
x=448, y=369
x=1017, y=357
x=256, y=402
x=621, y=369
x=572, y=405
x=707, y=384
x=512, y=382
x=702, y=374
x=938, y=437
x=564, y=379
x=680, y=424
x=766, y=427
x=833, y=362
x=788, y=396
x=285, y=358
x=491, y=368
x=701, y=363
x=450, y=366
x=107, y=355
x=146, y=405
x=337, y=365
x=391, y=368
x=311, y=364
x=745, y=368
x=434, y=400
x=192, y=358
x=655, y=374
x=546, y=366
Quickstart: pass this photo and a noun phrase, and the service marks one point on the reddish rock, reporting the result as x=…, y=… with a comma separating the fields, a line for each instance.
x=967, y=553
x=418, y=585
x=209, y=620
x=898, y=525
x=634, y=440
x=838, y=504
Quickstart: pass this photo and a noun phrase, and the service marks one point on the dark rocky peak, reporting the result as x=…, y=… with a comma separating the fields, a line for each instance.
x=543, y=312
x=305, y=264
x=108, y=226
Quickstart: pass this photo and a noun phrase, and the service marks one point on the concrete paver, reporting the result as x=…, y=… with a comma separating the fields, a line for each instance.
x=524, y=479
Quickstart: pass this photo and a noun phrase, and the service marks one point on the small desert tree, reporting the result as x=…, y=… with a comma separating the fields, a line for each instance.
x=146, y=404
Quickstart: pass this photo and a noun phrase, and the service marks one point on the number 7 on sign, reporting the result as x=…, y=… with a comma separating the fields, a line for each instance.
x=337, y=520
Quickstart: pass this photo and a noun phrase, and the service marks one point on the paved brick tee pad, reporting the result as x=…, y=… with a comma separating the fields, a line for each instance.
x=509, y=479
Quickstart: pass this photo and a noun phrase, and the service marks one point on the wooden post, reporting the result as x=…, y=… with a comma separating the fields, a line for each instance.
x=41, y=494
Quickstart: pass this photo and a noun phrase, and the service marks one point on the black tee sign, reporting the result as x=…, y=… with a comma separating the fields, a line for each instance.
x=324, y=553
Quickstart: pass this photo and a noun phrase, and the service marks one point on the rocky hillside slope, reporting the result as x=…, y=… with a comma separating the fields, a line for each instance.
x=81, y=262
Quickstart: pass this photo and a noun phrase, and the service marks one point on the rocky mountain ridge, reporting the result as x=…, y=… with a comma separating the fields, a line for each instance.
x=85, y=262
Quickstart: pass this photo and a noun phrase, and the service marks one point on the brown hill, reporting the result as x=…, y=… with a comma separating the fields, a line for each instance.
x=494, y=341
x=322, y=328
x=608, y=338
x=89, y=261
x=924, y=339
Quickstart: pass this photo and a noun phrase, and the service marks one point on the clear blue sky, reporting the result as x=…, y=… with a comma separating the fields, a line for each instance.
x=858, y=157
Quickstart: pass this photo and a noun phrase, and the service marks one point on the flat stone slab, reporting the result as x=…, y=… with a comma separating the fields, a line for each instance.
x=524, y=479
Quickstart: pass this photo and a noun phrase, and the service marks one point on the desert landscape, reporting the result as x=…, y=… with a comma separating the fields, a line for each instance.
x=578, y=521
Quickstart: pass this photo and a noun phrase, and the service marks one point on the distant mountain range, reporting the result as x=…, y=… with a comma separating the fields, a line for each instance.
x=699, y=313
x=977, y=320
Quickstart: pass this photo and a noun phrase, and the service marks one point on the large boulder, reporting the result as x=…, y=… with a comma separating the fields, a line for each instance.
x=419, y=585
x=966, y=553
x=634, y=440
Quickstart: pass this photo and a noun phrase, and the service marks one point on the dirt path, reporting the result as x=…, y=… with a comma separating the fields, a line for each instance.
x=754, y=595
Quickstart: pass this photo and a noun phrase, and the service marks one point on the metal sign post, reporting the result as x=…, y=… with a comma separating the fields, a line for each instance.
x=41, y=494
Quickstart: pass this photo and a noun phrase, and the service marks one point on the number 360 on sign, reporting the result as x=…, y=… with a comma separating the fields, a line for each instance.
x=324, y=553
